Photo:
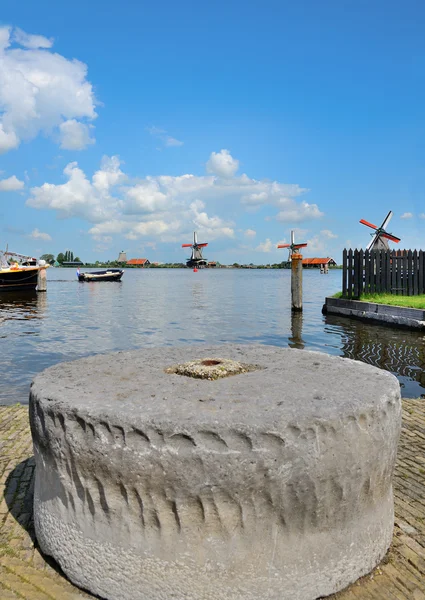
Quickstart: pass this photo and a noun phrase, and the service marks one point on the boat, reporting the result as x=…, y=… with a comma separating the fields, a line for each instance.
x=19, y=276
x=108, y=275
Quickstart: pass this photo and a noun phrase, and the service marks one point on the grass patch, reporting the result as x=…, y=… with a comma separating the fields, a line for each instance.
x=407, y=301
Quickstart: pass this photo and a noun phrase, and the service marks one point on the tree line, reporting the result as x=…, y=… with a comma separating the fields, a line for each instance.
x=62, y=257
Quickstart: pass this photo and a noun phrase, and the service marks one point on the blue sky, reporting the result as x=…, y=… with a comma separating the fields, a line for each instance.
x=127, y=126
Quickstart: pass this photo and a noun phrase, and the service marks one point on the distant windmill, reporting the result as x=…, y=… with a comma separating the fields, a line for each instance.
x=293, y=247
x=380, y=237
x=122, y=258
x=196, y=259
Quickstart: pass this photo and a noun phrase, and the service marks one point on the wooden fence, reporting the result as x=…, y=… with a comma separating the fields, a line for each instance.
x=400, y=272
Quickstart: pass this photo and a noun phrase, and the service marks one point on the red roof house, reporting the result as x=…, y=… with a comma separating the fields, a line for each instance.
x=317, y=262
x=138, y=262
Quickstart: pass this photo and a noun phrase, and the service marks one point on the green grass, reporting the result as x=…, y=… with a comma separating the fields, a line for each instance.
x=408, y=301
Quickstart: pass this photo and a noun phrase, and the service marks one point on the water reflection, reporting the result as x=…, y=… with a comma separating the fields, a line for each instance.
x=22, y=306
x=402, y=352
x=296, y=341
x=163, y=307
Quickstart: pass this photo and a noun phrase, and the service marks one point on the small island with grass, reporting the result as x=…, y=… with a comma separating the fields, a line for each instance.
x=382, y=286
x=391, y=300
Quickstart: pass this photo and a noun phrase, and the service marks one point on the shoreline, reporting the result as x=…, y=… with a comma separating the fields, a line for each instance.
x=372, y=312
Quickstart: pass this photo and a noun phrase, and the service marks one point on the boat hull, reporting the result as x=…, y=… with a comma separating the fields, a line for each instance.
x=19, y=280
x=113, y=275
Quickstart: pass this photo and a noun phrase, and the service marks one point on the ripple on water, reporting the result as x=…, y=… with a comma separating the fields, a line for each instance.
x=166, y=307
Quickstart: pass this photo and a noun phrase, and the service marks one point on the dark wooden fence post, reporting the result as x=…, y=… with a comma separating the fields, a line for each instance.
x=344, y=273
x=350, y=274
x=399, y=266
x=388, y=272
x=415, y=273
x=366, y=272
x=356, y=274
x=409, y=273
x=400, y=272
x=360, y=276
x=373, y=271
x=404, y=275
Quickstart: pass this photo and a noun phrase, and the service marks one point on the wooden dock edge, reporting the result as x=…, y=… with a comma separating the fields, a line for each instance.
x=382, y=314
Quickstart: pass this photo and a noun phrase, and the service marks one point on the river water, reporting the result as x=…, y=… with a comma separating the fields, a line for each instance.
x=168, y=307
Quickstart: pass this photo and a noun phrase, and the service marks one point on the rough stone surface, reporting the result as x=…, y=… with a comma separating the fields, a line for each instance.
x=270, y=484
x=26, y=574
x=211, y=368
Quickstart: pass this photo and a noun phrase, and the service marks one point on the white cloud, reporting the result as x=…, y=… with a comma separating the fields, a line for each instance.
x=38, y=235
x=40, y=90
x=267, y=246
x=80, y=197
x=8, y=139
x=318, y=245
x=102, y=239
x=74, y=135
x=163, y=137
x=222, y=164
x=31, y=41
x=327, y=233
x=145, y=197
x=170, y=141
x=211, y=227
x=11, y=184
x=406, y=215
x=422, y=216
x=296, y=213
x=163, y=206
x=4, y=38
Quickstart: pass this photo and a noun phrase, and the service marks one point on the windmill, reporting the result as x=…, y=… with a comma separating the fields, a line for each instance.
x=293, y=247
x=380, y=237
x=122, y=257
x=196, y=259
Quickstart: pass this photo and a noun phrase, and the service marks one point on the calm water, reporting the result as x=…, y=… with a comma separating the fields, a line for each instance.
x=174, y=307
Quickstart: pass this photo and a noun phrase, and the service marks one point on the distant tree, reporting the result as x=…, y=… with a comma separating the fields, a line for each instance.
x=60, y=258
x=77, y=259
x=49, y=258
x=69, y=256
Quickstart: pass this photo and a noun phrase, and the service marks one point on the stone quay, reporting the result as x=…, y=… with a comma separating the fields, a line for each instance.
x=214, y=473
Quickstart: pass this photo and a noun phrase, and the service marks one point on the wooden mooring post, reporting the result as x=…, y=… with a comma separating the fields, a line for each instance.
x=42, y=281
x=296, y=272
x=297, y=282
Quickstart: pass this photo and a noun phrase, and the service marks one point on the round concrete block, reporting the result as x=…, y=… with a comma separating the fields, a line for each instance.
x=272, y=481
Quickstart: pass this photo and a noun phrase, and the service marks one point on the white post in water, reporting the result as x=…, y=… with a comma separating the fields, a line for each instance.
x=42, y=280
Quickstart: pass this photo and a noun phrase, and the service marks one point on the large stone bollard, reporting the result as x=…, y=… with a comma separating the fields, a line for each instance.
x=271, y=482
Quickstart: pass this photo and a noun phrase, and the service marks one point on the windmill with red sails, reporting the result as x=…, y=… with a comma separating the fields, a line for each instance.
x=293, y=247
x=380, y=236
x=196, y=259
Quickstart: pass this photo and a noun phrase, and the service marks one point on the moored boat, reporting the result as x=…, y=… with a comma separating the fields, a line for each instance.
x=108, y=275
x=19, y=276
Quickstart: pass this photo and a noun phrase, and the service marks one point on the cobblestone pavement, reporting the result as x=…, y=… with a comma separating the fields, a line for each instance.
x=26, y=574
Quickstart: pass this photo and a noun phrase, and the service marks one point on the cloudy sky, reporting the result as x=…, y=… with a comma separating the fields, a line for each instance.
x=127, y=127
